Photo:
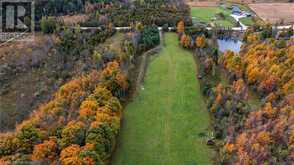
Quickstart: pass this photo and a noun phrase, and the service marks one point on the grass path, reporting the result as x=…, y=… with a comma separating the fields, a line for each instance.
x=162, y=124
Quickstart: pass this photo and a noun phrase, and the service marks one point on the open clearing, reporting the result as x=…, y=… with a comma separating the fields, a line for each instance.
x=163, y=124
x=274, y=12
x=206, y=14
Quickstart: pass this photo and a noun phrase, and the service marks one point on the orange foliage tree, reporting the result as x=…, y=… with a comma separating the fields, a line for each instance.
x=48, y=150
x=74, y=154
x=200, y=41
x=181, y=27
x=114, y=79
x=185, y=41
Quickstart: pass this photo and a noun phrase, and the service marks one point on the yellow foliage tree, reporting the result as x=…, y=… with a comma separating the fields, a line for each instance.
x=263, y=137
x=181, y=26
x=200, y=42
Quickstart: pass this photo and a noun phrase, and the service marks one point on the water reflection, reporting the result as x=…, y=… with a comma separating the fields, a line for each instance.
x=229, y=44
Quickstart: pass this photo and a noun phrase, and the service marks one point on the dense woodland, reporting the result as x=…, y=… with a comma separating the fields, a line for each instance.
x=160, y=13
x=119, y=13
x=82, y=113
x=245, y=134
x=267, y=67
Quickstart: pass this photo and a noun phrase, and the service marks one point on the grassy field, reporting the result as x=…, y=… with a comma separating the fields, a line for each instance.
x=248, y=21
x=205, y=14
x=164, y=123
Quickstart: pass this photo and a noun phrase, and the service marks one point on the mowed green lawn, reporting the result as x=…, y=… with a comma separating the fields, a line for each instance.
x=164, y=123
x=205, y=14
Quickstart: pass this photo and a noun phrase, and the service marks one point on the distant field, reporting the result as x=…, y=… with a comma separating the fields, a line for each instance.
x=203, y=4
x=205, y=14
x=248, y=21
x=274, y=12
x=71, y=20
x=213, y=3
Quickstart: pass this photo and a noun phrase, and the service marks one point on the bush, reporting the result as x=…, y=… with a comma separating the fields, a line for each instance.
x=48, y=150
x=220, y=15
x=149, y=38
x=8, y=144
x=102, y=135
x=165, y=28
x=74, y=154
x=48, y=24
x=73, y=133
x=28, y=136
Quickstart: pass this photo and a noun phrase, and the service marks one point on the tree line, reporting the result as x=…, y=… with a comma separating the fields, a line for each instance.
x=78, y=125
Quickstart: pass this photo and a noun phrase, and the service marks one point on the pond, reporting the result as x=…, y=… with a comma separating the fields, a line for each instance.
x=229, y=44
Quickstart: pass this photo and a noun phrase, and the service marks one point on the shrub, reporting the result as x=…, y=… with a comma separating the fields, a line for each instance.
x=88, y=109
x=48, y=24
x=149, y=38
x=200, y=42
x=8, y=144
x=46, y=151
x=102, y=135
x=73, y=133
x=74, y=154
x=28, y=136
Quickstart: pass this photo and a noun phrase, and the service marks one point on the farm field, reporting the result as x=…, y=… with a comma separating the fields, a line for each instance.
x=206, y=14
x=164, y=123
x=274, y=12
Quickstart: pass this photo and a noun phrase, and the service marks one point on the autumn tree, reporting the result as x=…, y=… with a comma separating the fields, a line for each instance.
x=102, y=136
x=114, y=79
x=185, y=41
x=200, y=42
x=28, y=136
x=139, y=26
x=74, y=154
x=8, y=144
x=73, y=133
x=46, y=150
x=181, y=27
x=88, y=109
x=240, y=89
x=233, y=63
